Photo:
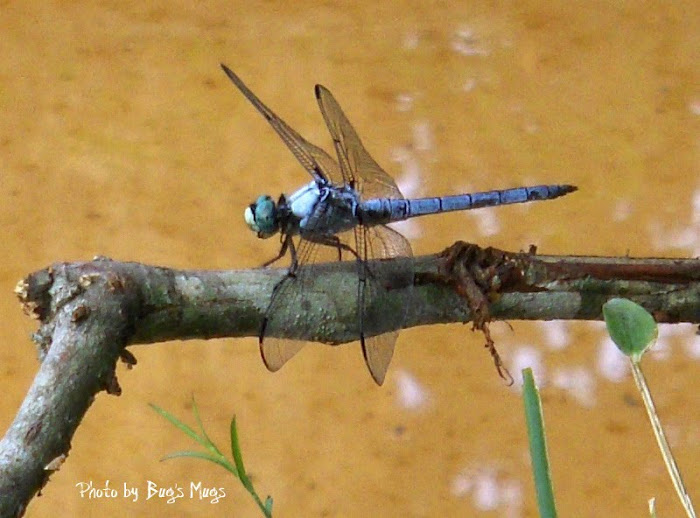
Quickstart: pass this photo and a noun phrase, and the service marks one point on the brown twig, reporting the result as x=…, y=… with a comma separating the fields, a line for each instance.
x=89, y=312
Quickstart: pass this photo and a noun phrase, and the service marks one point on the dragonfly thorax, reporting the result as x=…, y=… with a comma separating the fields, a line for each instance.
x=261, y=217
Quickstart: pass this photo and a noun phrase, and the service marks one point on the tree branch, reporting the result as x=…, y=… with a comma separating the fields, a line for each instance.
x=89, y=312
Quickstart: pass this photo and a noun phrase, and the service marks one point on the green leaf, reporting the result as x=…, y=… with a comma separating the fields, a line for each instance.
x=204, y=438
x=202, y=455
x=538, y=446
x=630, y=326
x=195, y=411
x=268, y=506
x=238, y=456
x=179, y=424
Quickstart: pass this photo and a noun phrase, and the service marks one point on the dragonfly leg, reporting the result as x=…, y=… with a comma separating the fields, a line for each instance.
x=291, y=272
x=287, y=244
x=335, y=242
x=293, y=254
x=282, y=252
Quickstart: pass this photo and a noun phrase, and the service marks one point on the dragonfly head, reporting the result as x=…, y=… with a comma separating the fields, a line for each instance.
x=261, y=217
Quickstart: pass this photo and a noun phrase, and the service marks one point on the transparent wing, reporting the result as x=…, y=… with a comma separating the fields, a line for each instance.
x=276, y=352
x=314, y=159
x=381, y=316
x=358, y=167
x=294, y=297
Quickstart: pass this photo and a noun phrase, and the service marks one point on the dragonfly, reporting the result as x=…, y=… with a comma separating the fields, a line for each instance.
x=345, y=209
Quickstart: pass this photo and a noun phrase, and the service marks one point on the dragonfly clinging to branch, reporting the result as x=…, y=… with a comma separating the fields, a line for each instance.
x=346, y=208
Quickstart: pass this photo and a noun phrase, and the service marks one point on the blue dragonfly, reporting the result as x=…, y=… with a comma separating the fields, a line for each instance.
x=346, y=208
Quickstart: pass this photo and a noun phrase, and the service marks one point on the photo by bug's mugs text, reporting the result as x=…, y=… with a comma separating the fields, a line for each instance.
x=151, y=491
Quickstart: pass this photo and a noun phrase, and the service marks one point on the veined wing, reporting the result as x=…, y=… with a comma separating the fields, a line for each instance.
x=381, y=316
x=294, y=297
x=314, y=159
x=358, y=167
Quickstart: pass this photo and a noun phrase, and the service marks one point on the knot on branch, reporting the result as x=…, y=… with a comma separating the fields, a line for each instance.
x=76, y=298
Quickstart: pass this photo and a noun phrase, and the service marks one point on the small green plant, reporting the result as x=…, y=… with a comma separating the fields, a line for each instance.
x=538, y=446
x=634, y=330
x=213, y=454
